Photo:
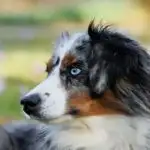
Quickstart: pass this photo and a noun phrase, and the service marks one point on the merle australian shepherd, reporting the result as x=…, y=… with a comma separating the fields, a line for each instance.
x=96, y=97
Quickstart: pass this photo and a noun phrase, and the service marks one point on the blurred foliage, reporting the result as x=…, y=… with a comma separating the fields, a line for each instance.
x=78, y=12
x=144, y=3
x=145, y=6
x=67, y=13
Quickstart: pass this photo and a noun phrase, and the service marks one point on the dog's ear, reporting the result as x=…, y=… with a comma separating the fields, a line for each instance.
x=113, y=57
x=98, y=78
x=62, y=38
x=120, y=64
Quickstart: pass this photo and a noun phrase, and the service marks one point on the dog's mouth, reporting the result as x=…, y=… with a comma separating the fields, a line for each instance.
x=74, y=111
x=35, y=114
x=40, y=118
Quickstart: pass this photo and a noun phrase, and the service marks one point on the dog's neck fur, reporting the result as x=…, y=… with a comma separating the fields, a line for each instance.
x=105, y=132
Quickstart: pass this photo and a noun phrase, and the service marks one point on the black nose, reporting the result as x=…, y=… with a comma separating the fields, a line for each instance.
x=31, y=101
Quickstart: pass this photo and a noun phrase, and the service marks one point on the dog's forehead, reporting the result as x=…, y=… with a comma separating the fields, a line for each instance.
x=67, y=43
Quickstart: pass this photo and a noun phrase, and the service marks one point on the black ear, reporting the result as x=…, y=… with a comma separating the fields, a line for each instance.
x=114, y=56
x=97, y=75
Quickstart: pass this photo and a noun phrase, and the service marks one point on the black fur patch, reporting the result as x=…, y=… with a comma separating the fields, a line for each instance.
x=126, y=65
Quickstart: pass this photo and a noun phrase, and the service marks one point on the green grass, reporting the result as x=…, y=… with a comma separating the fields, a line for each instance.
x=9, y=100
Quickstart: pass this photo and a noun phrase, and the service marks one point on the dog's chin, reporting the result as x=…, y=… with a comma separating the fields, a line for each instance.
x=44, y=119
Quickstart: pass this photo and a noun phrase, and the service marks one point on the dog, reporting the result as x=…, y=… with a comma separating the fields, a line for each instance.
x=96, y=96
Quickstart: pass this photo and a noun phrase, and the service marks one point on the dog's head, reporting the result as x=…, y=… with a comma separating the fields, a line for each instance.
x=92, y=73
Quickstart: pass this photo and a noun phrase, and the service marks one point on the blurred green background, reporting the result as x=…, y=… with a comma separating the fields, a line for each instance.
x=28, y=29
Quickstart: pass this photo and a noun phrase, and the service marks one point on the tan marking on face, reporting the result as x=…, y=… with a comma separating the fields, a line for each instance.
x=68, y=60
x=49, y=65
x=87, y=106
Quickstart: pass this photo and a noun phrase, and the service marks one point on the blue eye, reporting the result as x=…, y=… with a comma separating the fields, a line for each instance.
x=75, y=71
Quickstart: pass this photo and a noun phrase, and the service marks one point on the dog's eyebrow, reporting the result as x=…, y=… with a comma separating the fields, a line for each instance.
x=68, y=60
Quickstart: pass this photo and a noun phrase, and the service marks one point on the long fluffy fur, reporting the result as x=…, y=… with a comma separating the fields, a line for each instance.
x=125, y=65
x=92, y=133
x=116, y=63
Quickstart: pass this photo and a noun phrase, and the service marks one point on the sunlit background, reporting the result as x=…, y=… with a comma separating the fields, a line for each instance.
x=28, y=29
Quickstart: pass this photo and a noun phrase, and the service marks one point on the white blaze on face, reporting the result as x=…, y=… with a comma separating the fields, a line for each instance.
x=52, y=92
x=53, y=96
